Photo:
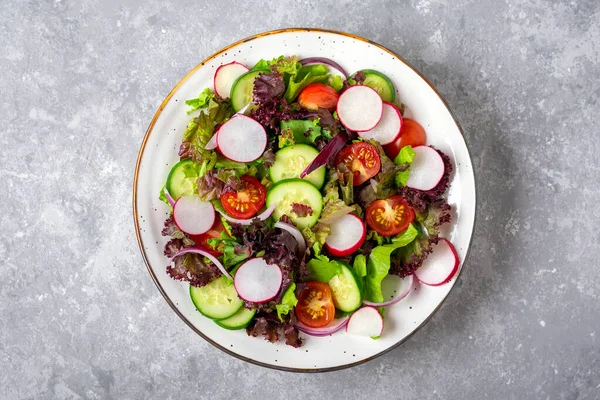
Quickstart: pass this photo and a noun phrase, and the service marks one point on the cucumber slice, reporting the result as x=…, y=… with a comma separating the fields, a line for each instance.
x=381, y=83
x=346, y=290
x=284, y=193
x=218, y=299
x=239, y=320
x=291, y=161
x=182, y=179
x=241, y=90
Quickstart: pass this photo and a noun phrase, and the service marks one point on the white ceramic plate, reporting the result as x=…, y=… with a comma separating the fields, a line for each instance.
x=159, y=152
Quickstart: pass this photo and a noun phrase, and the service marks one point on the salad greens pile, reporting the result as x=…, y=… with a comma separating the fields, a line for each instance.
x=265, y=210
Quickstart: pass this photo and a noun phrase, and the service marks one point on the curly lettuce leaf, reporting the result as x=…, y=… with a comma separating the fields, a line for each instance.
x=305, y=76
x=267, y=87
x=288, y=302
x=379, y=263
x=299, y=131
x=322, y=269
x=360, y=265
x=265, y=64
x=405, y=157
x=201, y=101
x=336, y=82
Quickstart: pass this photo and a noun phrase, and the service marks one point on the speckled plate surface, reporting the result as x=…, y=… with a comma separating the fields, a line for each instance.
x=159, y=152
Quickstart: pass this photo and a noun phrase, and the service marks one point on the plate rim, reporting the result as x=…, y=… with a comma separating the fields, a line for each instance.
x=135, y=210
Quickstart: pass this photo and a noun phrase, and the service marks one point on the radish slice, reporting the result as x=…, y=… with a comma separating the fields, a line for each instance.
x=212, y=143
x=365, y=321
x=347, y=235
x=439, y=266
x=326, y=61
x=395, y=286
x=359, y=108
x=332, y=327
x=206, y=254
x=257, y=281
x=295, y=233
x=241, y=139
x=261, y=217
x=170, y=198
x=388, y=128
x=426, y=170
x=226, y=75
x=192, y=215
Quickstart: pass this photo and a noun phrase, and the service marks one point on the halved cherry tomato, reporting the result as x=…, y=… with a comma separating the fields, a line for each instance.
x=315, y=305
x=411, y=134
x=362, y=159
x=245, y=203
x=390, y=216
x=318, y=95
x=201, y=241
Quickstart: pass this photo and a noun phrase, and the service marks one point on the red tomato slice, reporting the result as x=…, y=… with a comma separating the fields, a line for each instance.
x=315, y=305
x=245, y=203
x=411, y=134
x=318, y=95
x=362, y=159
x=390, y=216
x=213, y=233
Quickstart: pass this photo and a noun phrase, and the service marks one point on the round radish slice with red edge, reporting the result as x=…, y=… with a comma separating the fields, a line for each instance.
x=440, y=265
x=332, y=327
x=192, y=215
x=366, y=322
x=241, y=139
x=226, y=75
x=359, y=108
x=347, y=235
x=394, y=288
x=426, y=170
x=257, y=281
x=388, y=128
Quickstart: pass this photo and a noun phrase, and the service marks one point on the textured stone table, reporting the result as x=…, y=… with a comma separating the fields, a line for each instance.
x=81, y=318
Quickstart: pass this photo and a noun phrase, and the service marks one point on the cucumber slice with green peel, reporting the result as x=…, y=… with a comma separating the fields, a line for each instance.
x=241, y=90
x=218, y=299
x=182, y=179
x=291, y=161
x=290, y=192
x=381, y=83
x=239, y=320
x=346, y=290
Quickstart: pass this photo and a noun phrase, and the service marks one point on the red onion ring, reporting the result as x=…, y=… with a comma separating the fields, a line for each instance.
x=295, y=233
x=206, y=254
x=326, y=61
x=406, y=290
x=261, y=217
x=333, y=327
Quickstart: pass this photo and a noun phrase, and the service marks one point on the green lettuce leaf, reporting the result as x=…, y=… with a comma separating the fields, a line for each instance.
x=360, y=265
x=378, y=264
x=201, y=101
x=404, y=158
x=162, y=196
x=322, y=269
x=266, y=64
x=299, y=131
x=305, y=76
x=336, y=82
x=288, y=302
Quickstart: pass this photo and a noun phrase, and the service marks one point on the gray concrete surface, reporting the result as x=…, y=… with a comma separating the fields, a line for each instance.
x=81, y=318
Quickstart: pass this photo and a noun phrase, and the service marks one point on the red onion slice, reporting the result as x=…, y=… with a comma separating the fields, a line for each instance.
x=212, y=143
x=333, y=327
x=170, y=199
x=402, y=289
x=206, y=254
x=326, y=61
x=265, y=214
x=295, y=233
